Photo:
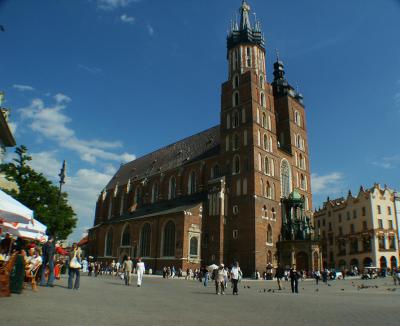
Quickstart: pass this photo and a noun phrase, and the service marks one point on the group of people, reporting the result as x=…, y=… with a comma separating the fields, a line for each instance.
x=221, y=276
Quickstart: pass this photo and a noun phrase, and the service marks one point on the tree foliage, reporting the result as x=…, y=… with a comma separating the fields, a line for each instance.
x=39, y=194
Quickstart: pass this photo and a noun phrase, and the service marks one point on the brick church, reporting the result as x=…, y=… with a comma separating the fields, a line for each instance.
x=216, y=196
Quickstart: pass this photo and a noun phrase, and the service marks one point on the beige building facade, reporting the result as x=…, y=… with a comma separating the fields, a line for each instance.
x=359, y=231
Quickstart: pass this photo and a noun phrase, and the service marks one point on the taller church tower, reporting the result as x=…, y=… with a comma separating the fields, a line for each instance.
x=264, y=151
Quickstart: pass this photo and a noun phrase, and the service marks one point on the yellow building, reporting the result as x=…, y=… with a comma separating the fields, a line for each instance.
x=359, y=231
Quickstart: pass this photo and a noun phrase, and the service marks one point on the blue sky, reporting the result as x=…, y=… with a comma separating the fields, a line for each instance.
x=99, y=82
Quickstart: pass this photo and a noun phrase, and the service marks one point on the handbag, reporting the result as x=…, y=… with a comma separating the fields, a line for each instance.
x=74, y=263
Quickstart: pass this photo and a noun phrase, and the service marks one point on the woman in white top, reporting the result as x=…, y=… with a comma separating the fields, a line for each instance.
x=140, y=269
x=236, y=273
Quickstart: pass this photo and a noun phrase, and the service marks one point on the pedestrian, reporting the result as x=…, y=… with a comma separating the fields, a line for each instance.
x=173, y=271
x=236, y=273
x=74, y=266
x=317, y=276
x=294, y=279
x=127, y=266
x=205, y=275
x=140, y=269
x=48, y=252
x=325, y=276
x=219, y=279
x=279, y=274
x=226, y=274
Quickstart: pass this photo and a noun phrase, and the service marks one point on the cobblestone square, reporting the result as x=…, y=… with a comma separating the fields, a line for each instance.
x=107, y=301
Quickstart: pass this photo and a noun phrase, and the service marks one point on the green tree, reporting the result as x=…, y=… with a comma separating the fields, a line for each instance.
x=39, y=194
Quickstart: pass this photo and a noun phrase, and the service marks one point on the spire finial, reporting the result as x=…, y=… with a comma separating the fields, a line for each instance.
x=277, y=54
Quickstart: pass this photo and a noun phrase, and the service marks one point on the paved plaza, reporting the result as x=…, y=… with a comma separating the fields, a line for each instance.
x=107, y=301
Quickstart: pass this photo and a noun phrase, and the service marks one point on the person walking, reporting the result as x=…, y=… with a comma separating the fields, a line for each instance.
x=317, y=276
x=74, y=266
x=127, y=266
x=140, y=269
x=205, y=275
x=219, y=279
x=294, y=279
x=48, y=252
x=236, y=273
x=279, y=274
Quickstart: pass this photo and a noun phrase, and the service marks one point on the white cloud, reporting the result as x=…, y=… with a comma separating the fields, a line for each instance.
x=13, y=127
x=52, y=123
x=127, y=19
x=150, y=30
x=388, y=162
x=326, y=184
x=46, y=163
x=114, y=4
x=23, y=88
x=92, y=70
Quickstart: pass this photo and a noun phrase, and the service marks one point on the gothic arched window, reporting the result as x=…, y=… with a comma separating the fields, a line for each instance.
x=264, y=120
x=236, y=164
x=266, y=143
x=145, y=238
x=192, y=183
x=262, y=99
x=109, y=243
x=126, y=236
x=236, y=81
x=286, y=179
x=235, y=141
x=154, y=192
x=269, y=234
x=172, y=188
x=194, y=247
x=235, y=119
x=169, y=240
x=266, y=165
x=215, y=171
x=236, y=99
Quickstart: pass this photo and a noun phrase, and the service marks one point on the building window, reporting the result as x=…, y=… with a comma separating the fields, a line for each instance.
x=261, y=81
x=227, y=143
x=145, y=237
x=352, y=228
x=236, y=164
x=266, y=143
x=192, y=183
x=245, y=186
x=392, y=242
x=323, y=222
x=258, y=138
x=340, y=218
x=137, y=196
x=266, y=165
x=109, y=243
x=126, y=236
x=154, y=192
x=390, y=224
x=236, y=99
x=348, y=216
x=228, y=121
x=364, y=226
x=340, y=230
x=381, y=242
x=380, y=223
x=248, y=57
x=235, y=141
x=354, y=245
x=269, y=234
x=262, y=99
x=264, y=120
x=172, y=188
x=303, y=183
x=215, y=171
x=389, y=210
x=363, y=212
x=243, y=116
x=354, y=214
x=286, y=182
x=169, y=240
x=273, y=213
x=236, y=81
x=268, y=190
x=330, y=226
x=245, y=138
x=235, y=234
x=194, y=247
x=262, y=188
x=379, y=209
x=297, y=118
x=235, y=118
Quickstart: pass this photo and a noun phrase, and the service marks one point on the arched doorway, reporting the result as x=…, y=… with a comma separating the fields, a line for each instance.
x=302, y=261
x=354, y=263
x=342, y=264
x=383, y=262
x=367, y=262
x=393, y=262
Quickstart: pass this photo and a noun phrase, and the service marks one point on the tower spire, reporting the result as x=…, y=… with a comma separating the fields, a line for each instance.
x=244, y=16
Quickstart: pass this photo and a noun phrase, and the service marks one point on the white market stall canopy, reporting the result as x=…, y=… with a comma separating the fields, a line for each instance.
x=13, y=211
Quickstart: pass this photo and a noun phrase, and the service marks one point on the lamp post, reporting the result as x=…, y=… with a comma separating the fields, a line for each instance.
x=61, y=182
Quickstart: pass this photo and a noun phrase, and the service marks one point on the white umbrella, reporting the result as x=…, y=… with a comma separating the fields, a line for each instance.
x=12, y=210
x=212, y=267
x=14, y=229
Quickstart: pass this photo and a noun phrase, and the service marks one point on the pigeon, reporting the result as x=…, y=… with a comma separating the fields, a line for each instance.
x=329, y=285
x=273, y=291
x=342, y=289
x=269, y=290
x=265, y=290
x=248, y=287
x=316, y=290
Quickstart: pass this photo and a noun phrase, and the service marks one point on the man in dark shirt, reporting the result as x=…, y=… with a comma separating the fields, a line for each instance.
x=294, y=279
x=279, y=274
x=48, y=258
x=5, y=244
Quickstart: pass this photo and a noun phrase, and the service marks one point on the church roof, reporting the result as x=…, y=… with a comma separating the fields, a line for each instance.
x=190, y=149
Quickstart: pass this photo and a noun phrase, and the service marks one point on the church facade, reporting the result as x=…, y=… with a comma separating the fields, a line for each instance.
x=215, y=196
